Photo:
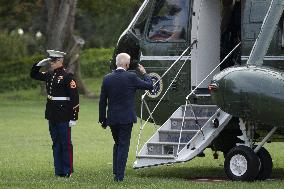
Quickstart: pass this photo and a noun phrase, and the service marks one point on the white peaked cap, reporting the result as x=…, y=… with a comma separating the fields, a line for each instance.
x=56, y=54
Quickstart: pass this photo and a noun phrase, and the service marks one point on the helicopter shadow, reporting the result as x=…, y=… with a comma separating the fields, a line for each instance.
x=195, y=173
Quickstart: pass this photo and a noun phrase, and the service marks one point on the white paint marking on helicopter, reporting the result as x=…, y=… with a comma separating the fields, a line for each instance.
x=266, y=57
x=163, y=57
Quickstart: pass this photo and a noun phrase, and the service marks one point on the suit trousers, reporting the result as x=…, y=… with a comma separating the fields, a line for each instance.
x=121, y=135
x=62, y=147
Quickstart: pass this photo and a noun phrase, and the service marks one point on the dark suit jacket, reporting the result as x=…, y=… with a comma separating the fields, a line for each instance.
x=118, y=96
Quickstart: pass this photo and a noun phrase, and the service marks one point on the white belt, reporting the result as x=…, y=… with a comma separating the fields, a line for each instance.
x=57, y=98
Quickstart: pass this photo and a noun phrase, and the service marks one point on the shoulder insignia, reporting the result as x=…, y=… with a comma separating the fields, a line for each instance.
x=72, y=84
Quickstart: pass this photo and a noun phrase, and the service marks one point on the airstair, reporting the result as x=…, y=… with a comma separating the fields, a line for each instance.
x=187, y=132
x=180, y=138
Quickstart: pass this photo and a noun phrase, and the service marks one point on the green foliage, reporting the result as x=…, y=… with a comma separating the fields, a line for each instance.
x=101, y=22
x=14, y=46
x=15, y=75
x=95, y=62
x=26, y=14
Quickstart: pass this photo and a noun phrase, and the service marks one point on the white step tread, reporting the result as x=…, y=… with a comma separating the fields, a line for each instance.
x=156, y=156
x=177, y=131
x=166, y=143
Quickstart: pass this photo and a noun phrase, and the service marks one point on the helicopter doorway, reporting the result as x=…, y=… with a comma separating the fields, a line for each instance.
x=206, y=29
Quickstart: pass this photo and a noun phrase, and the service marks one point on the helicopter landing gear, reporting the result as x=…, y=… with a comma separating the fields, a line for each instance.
x=242, y=164
x=265, y=164
x=247, y=162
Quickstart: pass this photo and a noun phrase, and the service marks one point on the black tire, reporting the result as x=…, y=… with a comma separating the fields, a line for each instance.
x=265, y=164
x=250, y=164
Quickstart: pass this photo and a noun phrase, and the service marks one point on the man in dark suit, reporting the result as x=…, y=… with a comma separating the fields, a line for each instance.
x=118, y=94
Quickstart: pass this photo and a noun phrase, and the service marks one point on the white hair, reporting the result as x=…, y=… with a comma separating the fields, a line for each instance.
x=122, y=59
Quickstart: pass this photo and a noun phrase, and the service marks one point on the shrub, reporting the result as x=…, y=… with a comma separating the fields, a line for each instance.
x=12, y=47
x=15, y=75
x=95, y=62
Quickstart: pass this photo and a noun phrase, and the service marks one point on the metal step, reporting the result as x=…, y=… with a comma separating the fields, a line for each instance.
x=203, y=95
x=199, y=110
x=156, y=156
x=164, y=148
x=173, y=135
x=203, y=139
x=189, y=124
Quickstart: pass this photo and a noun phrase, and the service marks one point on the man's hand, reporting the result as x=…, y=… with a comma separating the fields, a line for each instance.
x=103, y=123
x=43, y=62
x=72, y=123
x=141, y=69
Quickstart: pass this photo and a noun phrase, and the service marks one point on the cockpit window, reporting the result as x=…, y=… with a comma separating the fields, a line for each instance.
x=169, y=21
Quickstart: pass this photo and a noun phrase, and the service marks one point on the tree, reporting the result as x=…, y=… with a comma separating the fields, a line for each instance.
x=101, y=22
x=60, y=36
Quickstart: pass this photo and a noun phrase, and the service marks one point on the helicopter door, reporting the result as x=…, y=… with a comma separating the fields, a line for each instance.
x=166, y=37
x=206, y=24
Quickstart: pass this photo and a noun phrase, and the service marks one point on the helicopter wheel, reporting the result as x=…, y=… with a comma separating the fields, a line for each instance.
x=242, y=164
x=265, y=164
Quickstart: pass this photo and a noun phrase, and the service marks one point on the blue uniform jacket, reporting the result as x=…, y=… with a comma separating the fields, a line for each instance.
x=118, y=96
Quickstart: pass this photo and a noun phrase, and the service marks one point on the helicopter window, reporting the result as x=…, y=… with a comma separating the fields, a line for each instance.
x=169, y=21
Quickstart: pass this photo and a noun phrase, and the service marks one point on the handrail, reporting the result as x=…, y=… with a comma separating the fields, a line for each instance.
x=189, y=47
x=229, y=54
x=193, y=91
x=143, y=96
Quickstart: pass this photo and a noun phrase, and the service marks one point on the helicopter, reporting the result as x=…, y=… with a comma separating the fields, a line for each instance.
x=203, y=57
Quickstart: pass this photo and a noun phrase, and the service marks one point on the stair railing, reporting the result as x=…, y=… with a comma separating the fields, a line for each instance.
x=187, y=101
x=143, y=101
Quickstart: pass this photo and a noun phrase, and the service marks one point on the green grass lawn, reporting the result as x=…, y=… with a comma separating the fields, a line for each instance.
x=26, y=155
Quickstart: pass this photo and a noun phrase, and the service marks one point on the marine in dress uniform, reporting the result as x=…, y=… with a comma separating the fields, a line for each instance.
x=62, y=109
x=118, y=94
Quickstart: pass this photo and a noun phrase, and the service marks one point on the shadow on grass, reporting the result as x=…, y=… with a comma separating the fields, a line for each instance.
x=278, y=173
x=183, y=172
x=195, y=173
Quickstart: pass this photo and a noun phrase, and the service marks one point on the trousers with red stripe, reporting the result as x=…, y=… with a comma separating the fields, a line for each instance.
x=62, y=147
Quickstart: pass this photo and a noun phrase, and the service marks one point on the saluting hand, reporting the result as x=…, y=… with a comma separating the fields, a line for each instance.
x=43, y=62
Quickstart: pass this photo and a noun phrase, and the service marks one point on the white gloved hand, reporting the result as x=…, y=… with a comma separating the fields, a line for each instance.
x=72, y=123
x=43, y=62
